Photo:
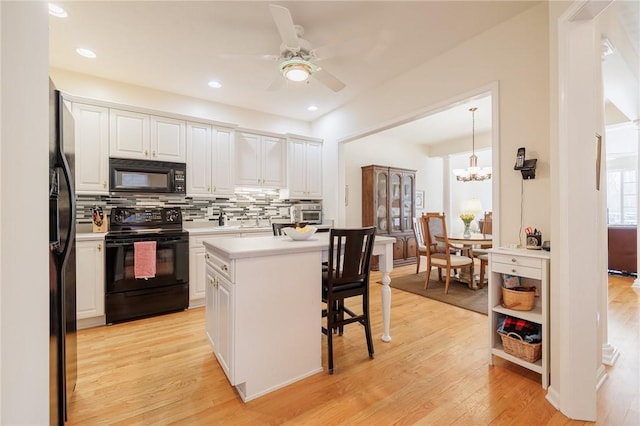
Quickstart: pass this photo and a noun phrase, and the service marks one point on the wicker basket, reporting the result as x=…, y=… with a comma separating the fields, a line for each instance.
x=519, y=298
x=513, y=344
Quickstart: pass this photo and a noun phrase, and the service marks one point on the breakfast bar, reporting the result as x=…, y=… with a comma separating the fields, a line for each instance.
x=263, y=302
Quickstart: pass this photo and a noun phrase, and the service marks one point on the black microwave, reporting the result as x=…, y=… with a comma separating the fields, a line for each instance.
x=145, y=176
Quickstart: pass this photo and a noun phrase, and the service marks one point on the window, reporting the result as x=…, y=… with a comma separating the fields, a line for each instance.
x=622, y=197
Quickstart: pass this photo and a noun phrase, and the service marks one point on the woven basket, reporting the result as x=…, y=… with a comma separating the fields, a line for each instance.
x=513, y=344
x=519, y=298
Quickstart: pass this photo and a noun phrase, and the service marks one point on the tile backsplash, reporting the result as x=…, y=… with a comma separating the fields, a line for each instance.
x=240, y=205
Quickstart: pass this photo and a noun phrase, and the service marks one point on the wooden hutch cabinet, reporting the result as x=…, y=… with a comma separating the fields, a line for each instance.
x=388, y=202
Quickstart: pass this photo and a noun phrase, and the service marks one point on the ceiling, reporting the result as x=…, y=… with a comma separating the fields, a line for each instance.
x=178, y=46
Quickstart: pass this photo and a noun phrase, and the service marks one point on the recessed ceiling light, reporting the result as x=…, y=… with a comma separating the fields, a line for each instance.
x=214, y=84
x=85, y=52
x=312, y=108
x=57, y=11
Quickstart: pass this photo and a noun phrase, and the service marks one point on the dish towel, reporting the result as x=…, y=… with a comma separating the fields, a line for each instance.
x=144, y=259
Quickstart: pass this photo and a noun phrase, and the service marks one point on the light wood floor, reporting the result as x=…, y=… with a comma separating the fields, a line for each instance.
x=161, y=371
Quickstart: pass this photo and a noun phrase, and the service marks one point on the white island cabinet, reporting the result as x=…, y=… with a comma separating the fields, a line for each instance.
x=263, y=302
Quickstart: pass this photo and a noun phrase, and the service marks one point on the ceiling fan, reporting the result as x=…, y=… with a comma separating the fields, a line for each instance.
x=297, y=57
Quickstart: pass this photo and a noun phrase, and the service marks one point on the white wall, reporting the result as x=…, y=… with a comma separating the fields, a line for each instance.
x=24, y=225
x=112, y=91
x=384, y=152
x=514, y=54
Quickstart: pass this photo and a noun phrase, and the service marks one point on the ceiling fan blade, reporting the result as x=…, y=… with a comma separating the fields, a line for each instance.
x=329, y=80
x=277, y=84
x=284, y=22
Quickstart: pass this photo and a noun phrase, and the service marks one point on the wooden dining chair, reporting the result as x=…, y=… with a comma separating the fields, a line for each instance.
x=421, y=249
x=439, y=251
x=347, y=277
x=482, y=255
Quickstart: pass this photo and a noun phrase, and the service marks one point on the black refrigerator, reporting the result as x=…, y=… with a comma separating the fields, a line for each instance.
x=62, y=259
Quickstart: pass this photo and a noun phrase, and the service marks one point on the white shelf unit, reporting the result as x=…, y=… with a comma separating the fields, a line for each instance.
x=532, y=266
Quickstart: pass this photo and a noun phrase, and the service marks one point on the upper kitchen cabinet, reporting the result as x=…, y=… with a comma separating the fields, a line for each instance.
x=92, y=148
x=304, y=169
x=388, y=202
x=209, y=160
x=146, y=137
x=260, y=160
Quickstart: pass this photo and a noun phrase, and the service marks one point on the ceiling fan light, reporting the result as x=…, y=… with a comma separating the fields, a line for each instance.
x=297, y=69
x=296, y=73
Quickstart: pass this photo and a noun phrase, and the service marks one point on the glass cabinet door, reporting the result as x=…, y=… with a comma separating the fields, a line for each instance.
x=396, y=198
x=382, y=197
x=407, y=202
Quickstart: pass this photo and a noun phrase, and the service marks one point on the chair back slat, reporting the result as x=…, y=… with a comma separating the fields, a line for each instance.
x=349, y=257
x=435, y=224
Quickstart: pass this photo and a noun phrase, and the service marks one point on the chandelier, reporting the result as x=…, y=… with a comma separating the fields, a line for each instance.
x=473, y=172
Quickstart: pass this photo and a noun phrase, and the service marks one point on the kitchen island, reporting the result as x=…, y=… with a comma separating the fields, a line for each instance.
x=263, y=302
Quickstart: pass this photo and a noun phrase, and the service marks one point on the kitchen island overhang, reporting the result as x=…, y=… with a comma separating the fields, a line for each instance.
x=263, y=302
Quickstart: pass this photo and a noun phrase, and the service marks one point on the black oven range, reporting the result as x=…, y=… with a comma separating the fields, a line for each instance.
x=147, y=263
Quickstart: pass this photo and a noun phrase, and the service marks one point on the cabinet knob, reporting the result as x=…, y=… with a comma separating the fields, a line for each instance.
x=104, y=184
x=513, y=259
x=207, y=256
x=99, y=247
x=146, y=153
x=225, y=268
x=514, y=271
x=153, y=153
x=208, y=189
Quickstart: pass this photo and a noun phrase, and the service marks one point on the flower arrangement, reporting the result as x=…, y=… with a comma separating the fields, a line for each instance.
x=467, y=218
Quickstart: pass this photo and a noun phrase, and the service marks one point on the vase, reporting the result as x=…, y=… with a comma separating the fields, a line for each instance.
x=467, y=231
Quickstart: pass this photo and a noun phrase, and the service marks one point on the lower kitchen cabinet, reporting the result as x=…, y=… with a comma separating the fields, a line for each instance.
x=90, y=281
x=219, y=316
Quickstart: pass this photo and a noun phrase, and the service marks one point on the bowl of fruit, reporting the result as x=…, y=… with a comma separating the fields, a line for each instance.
x=300, y=233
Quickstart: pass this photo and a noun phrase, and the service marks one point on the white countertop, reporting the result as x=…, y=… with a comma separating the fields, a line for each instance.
x=521, y=252
x=238, y=248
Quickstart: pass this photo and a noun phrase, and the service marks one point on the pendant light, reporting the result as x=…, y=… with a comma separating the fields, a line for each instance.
x=473, y=172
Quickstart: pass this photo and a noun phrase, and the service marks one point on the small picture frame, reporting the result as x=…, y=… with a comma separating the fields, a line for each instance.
x=419, y=200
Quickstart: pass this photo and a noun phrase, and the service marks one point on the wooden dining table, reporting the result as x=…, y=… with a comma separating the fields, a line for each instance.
x=467, y=243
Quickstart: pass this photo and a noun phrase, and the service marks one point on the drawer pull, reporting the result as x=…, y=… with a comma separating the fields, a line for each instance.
x=514, y=271
x=207, y=256
x=225, y=268
x=513, y=260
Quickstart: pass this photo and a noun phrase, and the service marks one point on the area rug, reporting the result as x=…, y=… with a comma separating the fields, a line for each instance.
x=459, y=293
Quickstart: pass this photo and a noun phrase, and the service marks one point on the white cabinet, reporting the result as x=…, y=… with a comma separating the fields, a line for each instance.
x=219, y=317
x=210, y=160
x=533, y=269
x=260, y=160
x=90, y=282
x=304, y=169
x=252, y=343
x=168, y=139
x=197, y=279
x=92, y=148
x=146, y=137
